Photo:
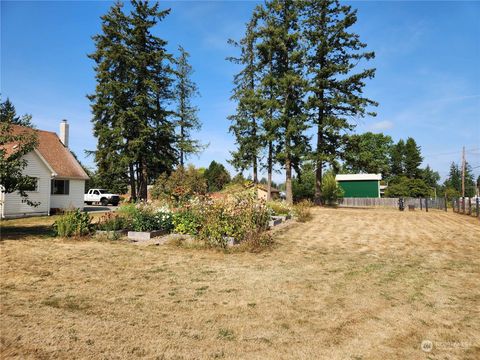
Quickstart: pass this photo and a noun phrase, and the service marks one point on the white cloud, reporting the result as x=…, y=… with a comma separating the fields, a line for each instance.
x=381, y=125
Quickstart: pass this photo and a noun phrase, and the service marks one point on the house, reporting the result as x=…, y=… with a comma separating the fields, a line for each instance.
x=262, y=192
x=60, y=179
x=360, y=185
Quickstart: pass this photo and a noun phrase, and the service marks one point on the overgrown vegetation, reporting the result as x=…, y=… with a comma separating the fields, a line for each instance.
x=73, y=223
x=331, y=191
x=240, y=218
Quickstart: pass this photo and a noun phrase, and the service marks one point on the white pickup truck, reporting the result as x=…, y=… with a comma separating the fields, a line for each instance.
x=101, y=196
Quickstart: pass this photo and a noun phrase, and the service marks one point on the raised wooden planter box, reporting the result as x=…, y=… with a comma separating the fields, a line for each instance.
x=145, y=235
x=111, y=234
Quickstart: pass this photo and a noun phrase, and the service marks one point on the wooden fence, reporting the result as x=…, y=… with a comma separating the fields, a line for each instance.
x=467, y=206
x=417, y=203
x=376, y=202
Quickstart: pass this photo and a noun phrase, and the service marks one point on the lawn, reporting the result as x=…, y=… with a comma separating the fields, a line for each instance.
x=349, y=284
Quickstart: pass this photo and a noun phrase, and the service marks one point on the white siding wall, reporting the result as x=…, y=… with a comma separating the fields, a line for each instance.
x=13, y=205
x=73, y=200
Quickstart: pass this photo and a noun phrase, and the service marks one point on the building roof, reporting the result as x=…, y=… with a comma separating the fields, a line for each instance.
x=264, y=188
x=52, y=151
x=358, y=177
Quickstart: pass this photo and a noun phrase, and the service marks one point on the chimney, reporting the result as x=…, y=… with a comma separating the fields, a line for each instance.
x=64, y=132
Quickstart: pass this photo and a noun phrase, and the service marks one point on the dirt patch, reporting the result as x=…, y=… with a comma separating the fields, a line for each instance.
x=350, y=284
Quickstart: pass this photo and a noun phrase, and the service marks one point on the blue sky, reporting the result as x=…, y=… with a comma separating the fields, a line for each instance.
x=427, y=56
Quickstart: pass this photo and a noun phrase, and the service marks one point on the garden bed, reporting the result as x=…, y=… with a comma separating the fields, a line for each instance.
x=145, y=235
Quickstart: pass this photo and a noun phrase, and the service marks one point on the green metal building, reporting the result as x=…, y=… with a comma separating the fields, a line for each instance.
x=360, y=185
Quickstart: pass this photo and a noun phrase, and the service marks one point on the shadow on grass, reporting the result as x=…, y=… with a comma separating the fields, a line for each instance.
x=23, y=232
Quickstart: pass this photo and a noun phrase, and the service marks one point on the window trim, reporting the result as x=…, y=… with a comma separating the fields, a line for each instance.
x=52, y=186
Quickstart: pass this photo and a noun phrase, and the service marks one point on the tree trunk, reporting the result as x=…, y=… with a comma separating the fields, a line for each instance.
x=255, y=175
x=319, y=167
x=142, y=191
x=319, y=160
x=133, y=190
x=288, y=180
x=269, y=170
x=182, y=136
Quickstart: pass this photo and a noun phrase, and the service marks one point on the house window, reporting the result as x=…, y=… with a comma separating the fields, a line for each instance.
x=33, y=186
x=60, y=187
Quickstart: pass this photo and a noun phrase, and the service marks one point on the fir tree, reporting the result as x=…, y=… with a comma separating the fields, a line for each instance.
x=413, y=159
x=134, y=79
x=281, y=21
x=245, y=125
x=8, y=114
x=187, y=119
x=336, y=92
x=397, y=159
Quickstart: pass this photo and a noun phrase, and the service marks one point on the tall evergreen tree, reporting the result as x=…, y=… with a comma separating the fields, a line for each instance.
x=245, y=123
x=282, y=17
x=186, y=113
x=8, y=114
x=397, y=159
x=336, y=92
x=413, y=159
x=454, y=179
x=131, y=121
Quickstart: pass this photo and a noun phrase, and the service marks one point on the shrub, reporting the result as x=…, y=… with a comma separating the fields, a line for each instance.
x=148, y=219
x=73, y=223
x=279, y=208
x=187, y=221
x=302, y=210
x=181, y=185
x=243, y=219
x=331, y=192
x=143, y=217
x=111, y=222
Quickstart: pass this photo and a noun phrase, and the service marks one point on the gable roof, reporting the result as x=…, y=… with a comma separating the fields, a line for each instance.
x=358, y=177
x=51, y=150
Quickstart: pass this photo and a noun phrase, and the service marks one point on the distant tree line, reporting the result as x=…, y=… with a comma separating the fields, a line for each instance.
x=143, y=116
x=400, y=166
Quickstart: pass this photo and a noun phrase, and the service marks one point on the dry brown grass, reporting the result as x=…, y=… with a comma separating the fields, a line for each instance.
x=349, y=284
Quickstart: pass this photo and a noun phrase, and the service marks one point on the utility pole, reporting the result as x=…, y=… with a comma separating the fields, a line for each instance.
x=463, y=172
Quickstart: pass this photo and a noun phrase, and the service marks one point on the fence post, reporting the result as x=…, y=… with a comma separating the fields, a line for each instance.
x=426, y=204
x=458, y=205
x=421, y=206
x=478, y=206
x=469, y=206
x=463, y=205
x=446, y=203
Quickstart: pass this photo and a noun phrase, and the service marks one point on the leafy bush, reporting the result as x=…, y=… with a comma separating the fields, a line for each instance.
x=187, y=221
x=279, y=208
x=402, y=186
x=180, y=186
x=243, y=219
x=331, y=191
x=302, y=210
x=143, y=217
x=73, y=223
x=147, y=219
x=111, y=222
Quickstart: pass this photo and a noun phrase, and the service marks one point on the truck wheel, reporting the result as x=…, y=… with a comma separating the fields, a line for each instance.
x=115, y=203
x=104, y=202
